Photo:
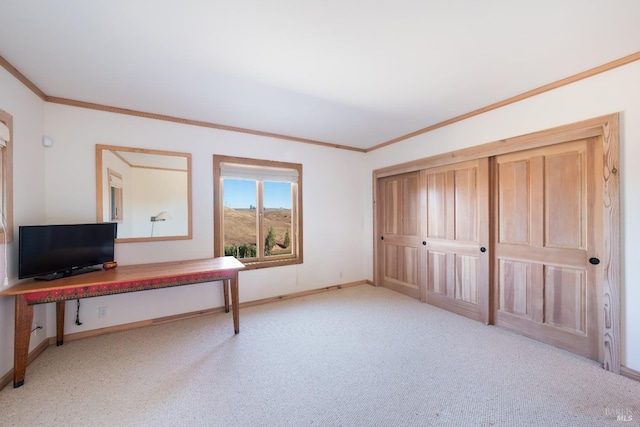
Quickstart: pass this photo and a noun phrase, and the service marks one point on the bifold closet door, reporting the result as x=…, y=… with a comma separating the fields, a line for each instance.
x=456, y=238
x=549, y=238
x=398, y=207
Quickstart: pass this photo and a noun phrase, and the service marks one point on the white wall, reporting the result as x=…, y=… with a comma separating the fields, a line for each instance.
x=156, y=191
x=28, y=195
x=617, y=90
x=334, y=189
x=57, y=185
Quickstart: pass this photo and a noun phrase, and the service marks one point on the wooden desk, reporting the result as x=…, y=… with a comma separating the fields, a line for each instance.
x=130, y=278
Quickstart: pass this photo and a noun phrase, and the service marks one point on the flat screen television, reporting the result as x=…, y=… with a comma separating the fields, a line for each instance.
x=48, y=252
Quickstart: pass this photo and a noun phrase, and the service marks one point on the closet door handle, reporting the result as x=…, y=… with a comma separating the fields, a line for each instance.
x=381, y=237
x=424, y=243
x=594, y=261
x=483, y=249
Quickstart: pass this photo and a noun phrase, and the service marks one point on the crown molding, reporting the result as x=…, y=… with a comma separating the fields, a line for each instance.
x=563, y=82
x=89, y=105
x=118, y=110
x=21, y=77
x=82, y=104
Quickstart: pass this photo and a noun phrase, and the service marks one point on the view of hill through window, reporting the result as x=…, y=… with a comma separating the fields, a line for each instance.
x=241, y=218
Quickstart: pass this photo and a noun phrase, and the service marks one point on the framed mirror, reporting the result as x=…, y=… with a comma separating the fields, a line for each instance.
x=147, y=192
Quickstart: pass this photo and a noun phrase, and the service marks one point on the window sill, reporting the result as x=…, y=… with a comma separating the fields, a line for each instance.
x=255, y=265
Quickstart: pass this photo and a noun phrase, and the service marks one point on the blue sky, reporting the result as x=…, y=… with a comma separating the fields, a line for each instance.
x=241, y=194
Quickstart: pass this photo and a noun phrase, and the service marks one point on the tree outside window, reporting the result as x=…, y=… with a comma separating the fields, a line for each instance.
x=257, y=211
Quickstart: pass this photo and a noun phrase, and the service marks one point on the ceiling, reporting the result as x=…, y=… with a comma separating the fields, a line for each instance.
x=354, y=73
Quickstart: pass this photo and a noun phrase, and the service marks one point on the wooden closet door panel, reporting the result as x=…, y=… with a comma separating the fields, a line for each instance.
x=401, y=265
x=466, y=278
x=565, y=294
x=513, y=193
x=389, y=201
x=436, y=183
x=565, y=200
x=437, y=272
x=514, y=284
x=391, y=262
x=399, y=233
x=545, y=286
x=465, y=192
x=410, y=206
x=456, y=218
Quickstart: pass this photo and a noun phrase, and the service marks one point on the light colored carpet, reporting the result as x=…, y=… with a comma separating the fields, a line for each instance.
x=360, y=356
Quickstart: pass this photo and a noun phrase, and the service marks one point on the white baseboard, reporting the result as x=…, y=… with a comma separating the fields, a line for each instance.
x=630, y=373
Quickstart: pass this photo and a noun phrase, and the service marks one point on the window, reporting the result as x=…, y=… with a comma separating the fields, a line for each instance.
x=6, y=177
x=258, y=211
x=115, y=199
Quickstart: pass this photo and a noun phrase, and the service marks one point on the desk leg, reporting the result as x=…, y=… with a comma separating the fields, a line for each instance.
x=60, y=322
x=24, y=319
x=225, y=287
x=234, y=302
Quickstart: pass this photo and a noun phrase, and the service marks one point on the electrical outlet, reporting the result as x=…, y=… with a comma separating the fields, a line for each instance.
x=37, y=327
x=103, y=312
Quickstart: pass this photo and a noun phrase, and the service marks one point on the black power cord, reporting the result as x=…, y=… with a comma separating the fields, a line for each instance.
x=78, y=314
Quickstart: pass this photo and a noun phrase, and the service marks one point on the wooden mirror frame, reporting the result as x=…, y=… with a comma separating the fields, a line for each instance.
x=100, y=185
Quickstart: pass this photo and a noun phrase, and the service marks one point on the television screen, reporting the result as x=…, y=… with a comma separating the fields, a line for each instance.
x=53, y=251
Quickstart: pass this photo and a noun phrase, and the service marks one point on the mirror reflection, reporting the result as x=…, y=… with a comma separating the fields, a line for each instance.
x=147, y=192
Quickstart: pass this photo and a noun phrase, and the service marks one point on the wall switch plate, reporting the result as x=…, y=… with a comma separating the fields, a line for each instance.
x=103, y=312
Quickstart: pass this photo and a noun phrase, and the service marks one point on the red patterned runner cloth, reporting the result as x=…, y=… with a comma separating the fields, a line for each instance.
x=53, y=295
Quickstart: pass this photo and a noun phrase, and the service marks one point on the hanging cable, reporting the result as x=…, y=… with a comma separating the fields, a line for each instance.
x=78, y=314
